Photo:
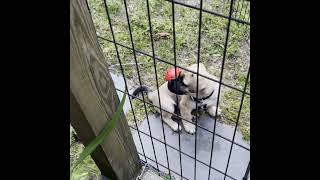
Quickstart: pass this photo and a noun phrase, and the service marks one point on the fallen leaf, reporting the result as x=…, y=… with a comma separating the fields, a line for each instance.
x=164, y=34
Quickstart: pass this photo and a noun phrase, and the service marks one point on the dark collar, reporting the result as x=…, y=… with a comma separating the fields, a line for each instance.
x=202, y=99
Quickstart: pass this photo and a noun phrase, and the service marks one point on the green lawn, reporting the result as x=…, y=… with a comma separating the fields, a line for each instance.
x=213, y=34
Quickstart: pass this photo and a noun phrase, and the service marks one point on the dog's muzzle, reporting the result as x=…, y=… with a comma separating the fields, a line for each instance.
x=177, y=86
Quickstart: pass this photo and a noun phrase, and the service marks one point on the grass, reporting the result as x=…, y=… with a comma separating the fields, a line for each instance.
x=139, y=112
x=86, y=170
x=231, y=104
x=213, y=34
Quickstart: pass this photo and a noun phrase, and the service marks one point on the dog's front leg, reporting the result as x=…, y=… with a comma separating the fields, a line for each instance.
x=172, y=124
x=187, y=120
x=212, y=111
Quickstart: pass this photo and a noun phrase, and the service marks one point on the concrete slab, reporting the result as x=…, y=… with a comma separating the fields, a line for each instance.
x=239, y=157
x=119, y=84
x=151, y=175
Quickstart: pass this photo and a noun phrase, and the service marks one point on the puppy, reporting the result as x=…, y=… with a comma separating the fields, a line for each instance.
x=185, y=88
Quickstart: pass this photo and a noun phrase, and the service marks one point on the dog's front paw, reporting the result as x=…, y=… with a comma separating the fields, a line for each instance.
x=190, y=128
x=175, y=127
x=219, y=112
x=212, y=111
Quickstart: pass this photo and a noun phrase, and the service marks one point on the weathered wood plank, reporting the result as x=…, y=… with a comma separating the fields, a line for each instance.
x=86, y=134
x=93, y=89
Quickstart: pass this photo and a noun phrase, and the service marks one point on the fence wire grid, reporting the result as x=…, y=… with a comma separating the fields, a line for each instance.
x=234, y=14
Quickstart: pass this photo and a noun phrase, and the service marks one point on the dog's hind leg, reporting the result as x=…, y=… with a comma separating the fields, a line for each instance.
x=167, y=106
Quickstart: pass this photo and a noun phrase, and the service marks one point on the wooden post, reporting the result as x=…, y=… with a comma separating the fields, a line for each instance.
x=93, y=99
x=86, y=134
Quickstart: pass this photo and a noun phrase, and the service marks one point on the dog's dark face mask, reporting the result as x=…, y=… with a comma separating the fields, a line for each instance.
x=177, y=86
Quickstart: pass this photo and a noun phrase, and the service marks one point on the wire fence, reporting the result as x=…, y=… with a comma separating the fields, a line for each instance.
x=238, y=12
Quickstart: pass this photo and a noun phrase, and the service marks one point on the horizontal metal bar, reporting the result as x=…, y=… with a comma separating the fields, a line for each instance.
x=186, y=120
x=146, y=54
x=180, y=152
x=210, y=12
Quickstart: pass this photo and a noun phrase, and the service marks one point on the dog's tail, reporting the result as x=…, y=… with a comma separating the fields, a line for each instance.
x=140, y=89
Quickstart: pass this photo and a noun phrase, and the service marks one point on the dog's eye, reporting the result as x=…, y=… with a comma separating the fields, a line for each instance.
x=191, y=75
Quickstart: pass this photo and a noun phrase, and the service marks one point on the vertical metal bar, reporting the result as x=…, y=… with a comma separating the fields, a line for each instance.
x=220, y=81
x=137, y=69
x=138, y=72
x=247, y=172
x=237, y=122
x=197, y=92
x=155, y=70
x=124, y=78
x=175, y=66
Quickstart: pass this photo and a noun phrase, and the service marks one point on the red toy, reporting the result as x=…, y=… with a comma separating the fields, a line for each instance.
x=170, y=74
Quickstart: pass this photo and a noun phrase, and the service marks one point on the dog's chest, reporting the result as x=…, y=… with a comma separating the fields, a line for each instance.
x=201, y=105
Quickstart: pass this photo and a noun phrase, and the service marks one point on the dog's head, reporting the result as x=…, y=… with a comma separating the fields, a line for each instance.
x=185, y=81
x=175, y=81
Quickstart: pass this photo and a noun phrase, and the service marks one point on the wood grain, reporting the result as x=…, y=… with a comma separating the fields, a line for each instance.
x=93, y=89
